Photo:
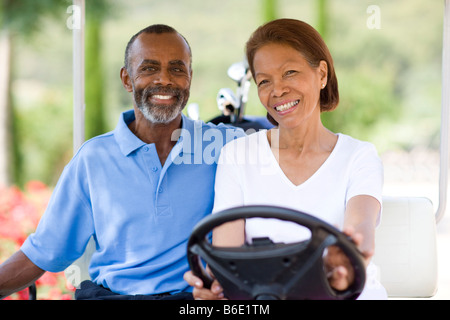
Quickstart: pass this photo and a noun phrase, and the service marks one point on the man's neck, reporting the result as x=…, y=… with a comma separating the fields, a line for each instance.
x=159, y=134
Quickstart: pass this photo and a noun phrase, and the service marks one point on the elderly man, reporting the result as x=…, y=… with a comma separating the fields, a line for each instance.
x=137, y=190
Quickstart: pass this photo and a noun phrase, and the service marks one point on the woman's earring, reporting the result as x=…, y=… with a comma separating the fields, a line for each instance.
x=323, y=85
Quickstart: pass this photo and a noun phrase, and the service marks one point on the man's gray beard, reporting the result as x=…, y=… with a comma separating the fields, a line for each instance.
x=159, y=114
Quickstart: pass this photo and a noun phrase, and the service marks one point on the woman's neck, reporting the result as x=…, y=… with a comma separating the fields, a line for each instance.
x=312, y=137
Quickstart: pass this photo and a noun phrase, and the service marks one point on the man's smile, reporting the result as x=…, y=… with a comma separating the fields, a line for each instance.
x=162, y=98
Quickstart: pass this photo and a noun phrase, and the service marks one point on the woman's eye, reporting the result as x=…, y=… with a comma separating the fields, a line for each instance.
x=290, y=72
x=262, y=82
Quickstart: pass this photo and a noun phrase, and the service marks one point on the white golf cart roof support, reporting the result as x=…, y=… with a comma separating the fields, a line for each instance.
x=78, y=75
x=445, y=115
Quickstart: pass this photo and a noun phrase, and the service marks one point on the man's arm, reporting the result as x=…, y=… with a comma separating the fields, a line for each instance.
x=17, y=273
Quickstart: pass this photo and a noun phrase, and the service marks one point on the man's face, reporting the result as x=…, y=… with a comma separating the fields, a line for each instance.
x=160, y=75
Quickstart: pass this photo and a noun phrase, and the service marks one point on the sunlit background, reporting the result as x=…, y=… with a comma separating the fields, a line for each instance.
x=389, y=69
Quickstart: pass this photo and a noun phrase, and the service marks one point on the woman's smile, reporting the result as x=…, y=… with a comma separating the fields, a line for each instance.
x=286, y=107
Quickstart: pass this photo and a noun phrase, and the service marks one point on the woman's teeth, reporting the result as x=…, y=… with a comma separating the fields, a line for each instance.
x=287, y=105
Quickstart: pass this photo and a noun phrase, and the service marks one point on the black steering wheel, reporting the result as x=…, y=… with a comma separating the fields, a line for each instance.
x=265, y=270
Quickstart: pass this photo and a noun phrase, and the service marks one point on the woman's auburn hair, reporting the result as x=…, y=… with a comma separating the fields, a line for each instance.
x=305, y=39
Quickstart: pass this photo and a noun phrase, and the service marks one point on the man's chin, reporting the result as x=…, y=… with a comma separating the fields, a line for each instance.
x=160, y=117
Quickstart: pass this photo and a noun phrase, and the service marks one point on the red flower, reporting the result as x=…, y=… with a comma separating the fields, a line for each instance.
x=48, y=279
x=20, y=212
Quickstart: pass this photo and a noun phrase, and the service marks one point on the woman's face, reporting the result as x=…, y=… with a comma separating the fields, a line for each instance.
x=288, y=87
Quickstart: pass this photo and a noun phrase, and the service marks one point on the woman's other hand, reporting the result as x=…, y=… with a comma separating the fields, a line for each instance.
x=201, y=293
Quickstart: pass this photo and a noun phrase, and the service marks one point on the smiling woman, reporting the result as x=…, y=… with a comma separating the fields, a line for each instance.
x=300, y=164
x=307, y=42
x=288, y=86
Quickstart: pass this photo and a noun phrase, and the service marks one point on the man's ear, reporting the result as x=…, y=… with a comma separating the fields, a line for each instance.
x=126, y=81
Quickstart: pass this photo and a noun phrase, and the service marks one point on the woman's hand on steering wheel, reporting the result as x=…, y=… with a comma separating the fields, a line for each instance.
x=338, y=267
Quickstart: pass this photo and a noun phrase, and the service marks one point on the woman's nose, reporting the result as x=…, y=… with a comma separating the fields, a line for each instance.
x=279, y=88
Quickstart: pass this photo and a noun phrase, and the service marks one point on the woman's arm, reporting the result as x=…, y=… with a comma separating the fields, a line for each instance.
x=228, y=193
x=359, y=223
x=230, y=234
x=361, y=215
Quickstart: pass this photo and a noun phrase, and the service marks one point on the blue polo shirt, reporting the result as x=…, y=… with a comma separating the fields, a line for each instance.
x=139, y=213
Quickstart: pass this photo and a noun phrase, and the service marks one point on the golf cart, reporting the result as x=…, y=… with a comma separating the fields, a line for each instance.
x=405, y=240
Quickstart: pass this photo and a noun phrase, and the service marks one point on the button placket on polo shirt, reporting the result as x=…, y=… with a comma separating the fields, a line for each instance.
x=153, y=168
x=163, y=204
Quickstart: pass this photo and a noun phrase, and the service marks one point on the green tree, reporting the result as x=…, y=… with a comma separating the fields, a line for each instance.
x=17, y=18
x=368, y=71
x=24, y=18
x=96, y=13
x=322, y=18
x=269, y=8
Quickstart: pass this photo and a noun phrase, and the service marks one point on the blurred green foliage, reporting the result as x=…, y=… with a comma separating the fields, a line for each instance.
x=270, y=10
x=389, y=78
x=97, y=12
x=18, y=19
x=24, y=16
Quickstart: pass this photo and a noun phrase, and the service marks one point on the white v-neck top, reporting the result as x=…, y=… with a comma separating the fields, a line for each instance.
x=248, y=173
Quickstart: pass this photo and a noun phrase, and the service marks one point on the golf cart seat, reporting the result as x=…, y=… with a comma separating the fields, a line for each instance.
x=78, y=271
x=406, y=251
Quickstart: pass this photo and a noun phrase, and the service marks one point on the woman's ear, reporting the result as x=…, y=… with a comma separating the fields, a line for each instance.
x=323, y=70
x=126, y=81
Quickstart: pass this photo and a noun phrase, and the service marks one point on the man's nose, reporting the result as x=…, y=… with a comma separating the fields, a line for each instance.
x=163, y=78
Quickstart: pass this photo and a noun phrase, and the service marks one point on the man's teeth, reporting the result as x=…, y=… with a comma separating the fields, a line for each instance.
x=161, y=97
x=287, y=105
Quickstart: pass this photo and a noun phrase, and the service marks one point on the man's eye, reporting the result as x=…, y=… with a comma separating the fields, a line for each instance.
x=148, y=69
